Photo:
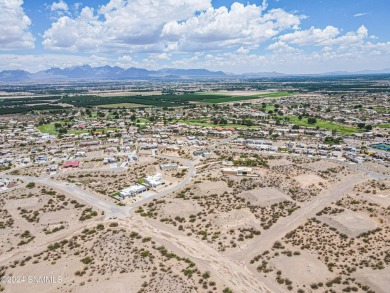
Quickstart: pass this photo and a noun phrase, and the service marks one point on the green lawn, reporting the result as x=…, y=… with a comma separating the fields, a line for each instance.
x=340, y=129
x=383, y=125
x=47, y=128
x=382, y=110
x=50, y=129
x=268, y=107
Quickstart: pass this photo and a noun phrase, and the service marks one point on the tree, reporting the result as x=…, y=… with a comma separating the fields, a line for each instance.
x=361, y=125
x=300, y=117
x=63, y=130
x=368, y=127
x=312, y=120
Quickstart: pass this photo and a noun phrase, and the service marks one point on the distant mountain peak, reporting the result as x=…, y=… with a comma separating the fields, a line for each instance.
x=86, y=72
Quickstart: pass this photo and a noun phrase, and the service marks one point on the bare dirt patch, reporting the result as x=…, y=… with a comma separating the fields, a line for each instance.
x=350, y=223
x=304, y=269
x=264, y=196
x=309, y=179
x=378, y=280
x=181, y=208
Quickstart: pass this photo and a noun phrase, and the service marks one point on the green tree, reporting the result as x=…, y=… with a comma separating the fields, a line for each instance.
x=361, y=125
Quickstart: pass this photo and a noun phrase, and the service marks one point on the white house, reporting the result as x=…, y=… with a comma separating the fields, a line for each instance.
x=154, y=181
x=132, y=190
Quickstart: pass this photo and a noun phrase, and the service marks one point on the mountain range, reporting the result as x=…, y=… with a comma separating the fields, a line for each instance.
x=87, y=72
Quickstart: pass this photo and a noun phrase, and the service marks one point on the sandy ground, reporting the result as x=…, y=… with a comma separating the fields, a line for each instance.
x=181, y=208
x=303, y=269
x=350, y=223
x=377, y=168
x=381, y=198
x=309, y=179
x=378, y=280
x=235, y=219
x=264, y=196
x=280, y=161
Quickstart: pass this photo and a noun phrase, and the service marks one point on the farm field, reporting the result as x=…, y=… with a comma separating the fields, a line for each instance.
x=122, y=105
x=226, y=97
x=133, y=100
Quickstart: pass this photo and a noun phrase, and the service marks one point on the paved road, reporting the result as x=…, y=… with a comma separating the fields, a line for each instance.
x=110, y=209
x=222, y=142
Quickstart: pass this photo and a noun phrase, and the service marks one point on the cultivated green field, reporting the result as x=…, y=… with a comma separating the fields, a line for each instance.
x=222, y=98
x=229, y=99
x=122, y=105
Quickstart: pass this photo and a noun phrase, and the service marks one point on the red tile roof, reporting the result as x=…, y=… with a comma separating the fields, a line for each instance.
x=73, y=164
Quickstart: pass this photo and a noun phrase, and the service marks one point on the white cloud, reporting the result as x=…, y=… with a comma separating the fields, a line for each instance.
x=34, y=63
x=14, y=26
x=282, y=47
x=360, y=14
x=312, y=36
x=283, y=58
x=119, y=25
x=242, y=50
x=59, y=6
x=167, y=26
x=325, y=37
x=221, y=28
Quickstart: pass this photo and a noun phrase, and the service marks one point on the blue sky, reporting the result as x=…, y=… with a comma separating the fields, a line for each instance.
x=291, y=36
